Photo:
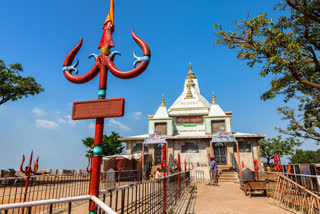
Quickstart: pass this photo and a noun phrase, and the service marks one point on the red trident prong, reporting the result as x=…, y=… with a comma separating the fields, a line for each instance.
x=89, y=169
x=35, y=166
x=89, y=166
x=28, y=173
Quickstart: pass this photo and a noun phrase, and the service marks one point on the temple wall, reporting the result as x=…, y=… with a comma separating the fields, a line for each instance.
x=198, y=158
x=201, y=159
x=248, y=157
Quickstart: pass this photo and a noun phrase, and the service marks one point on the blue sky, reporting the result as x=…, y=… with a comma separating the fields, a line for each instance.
x=39, y=34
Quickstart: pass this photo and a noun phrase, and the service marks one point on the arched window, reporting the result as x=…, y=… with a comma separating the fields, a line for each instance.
x=189, y=147
x=137, y=149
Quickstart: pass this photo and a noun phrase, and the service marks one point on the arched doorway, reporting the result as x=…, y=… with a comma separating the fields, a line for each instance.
x=218, y=148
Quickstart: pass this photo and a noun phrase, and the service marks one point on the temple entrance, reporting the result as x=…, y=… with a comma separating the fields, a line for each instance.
x=157, y=154
x=220, y=153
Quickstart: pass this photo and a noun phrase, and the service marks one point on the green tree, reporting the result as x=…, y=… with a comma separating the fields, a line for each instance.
x=13, y=86
x=110, y=145
x=305, y=156
x=269, y=147
x=288, y=48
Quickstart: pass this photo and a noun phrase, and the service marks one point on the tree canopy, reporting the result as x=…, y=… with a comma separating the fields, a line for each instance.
x=269, y=147
x=110, y=145
x=305, y=156
x=288, y=48
x=13, y=86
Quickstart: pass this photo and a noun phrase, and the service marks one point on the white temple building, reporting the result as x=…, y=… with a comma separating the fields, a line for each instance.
x=189, y=125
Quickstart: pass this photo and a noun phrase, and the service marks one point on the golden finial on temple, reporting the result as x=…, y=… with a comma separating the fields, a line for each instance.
x=190, y=73
x=162, y=101
x=213, y=99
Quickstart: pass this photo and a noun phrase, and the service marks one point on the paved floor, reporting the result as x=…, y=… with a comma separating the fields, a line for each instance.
x=228, y=198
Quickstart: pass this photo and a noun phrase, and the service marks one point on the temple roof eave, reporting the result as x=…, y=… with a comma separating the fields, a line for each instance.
x=236, y=134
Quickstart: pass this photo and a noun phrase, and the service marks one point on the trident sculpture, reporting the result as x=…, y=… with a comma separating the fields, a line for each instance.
x=277, y=163
x=28, y=171
x=102, y=64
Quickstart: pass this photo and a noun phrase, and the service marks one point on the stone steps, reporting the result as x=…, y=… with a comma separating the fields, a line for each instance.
x=227, y=174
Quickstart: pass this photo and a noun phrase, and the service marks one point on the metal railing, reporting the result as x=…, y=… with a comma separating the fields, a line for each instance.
x=152, y=196
x=197, y=176
x=298, y=193
x=292, y=195
x=30, y=206
x=44, y=187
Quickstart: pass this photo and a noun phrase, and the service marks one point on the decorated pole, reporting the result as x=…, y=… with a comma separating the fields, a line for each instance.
x=102, y=108
x=138, y=169
x=28, y=171
x=142, y=161
x=238, y=154
x=179, y=175
x=256, y=168
x=119, y=168
x=163, y=167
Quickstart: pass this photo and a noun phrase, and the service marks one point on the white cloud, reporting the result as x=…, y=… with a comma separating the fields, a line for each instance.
x=92, y=125
x=67, y=119
x=122, y=127
x=137, y=115
x=60, y=120
x=38, y=111
x=46, y=124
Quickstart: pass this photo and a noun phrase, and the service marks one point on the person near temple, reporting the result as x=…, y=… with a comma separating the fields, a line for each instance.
x=214, y=172
x=158, y=174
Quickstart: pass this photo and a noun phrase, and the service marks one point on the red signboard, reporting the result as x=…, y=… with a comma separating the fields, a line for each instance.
x=189, y=120
x=98, y=108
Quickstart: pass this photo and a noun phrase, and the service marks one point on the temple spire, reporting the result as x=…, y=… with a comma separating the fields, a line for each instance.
x=162, y=111
x=162, y=101
x=190, y=73
x=213, y=99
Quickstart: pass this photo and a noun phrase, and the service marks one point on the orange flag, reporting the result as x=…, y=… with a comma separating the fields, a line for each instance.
x=110, y=16
x=289, y=169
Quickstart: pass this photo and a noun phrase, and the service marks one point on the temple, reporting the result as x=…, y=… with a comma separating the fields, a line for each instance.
x=189, y=125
